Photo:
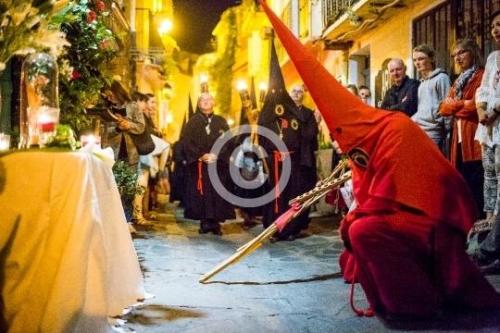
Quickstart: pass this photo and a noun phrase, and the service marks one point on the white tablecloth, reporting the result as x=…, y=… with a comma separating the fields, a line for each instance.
x=67, y=260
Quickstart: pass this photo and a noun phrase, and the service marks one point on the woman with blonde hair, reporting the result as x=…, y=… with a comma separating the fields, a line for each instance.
x=460, y=107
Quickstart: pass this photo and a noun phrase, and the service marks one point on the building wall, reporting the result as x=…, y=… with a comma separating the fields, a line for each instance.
x=178, y=103
x=392, y=38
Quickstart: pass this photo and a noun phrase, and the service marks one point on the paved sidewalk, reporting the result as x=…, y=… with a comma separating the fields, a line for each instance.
x=282, y=287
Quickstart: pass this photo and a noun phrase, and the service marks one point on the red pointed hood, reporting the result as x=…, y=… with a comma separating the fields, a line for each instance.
x=347, y=117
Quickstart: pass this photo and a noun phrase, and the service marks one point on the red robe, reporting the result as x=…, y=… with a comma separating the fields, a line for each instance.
x=406, y=239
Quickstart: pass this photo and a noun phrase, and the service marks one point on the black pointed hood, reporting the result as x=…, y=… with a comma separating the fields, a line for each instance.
x=277, y=102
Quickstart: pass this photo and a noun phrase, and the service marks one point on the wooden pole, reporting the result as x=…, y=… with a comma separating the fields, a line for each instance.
x=299, y=204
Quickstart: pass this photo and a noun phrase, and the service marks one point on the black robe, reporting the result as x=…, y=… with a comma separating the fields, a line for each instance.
x=177, y=174
x=301, y=142
x=196, y=143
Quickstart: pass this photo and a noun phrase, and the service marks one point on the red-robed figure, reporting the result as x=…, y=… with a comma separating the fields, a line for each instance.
x=405, y=241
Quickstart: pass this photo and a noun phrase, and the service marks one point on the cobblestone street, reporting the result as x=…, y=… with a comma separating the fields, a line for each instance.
x=282, y=287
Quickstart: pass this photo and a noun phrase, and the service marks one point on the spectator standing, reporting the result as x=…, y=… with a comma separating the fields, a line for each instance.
x=365, y=94
x=460, y=107
x=403, y=93
x=433, y=89
x=152, y=163
x=130, y=121
x=488, y=134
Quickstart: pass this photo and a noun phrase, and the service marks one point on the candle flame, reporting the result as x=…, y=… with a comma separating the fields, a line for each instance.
x=241, y=85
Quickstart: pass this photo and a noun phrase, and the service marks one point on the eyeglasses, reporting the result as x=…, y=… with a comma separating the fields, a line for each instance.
x=459, y=53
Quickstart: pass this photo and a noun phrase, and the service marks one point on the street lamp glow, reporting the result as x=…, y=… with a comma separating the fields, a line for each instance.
x=165, y=27
x=241, y=85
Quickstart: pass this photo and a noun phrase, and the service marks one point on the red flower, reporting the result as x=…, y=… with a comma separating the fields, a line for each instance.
x=91, y=16
x=100, y=6
x=75, y=75
x=284, y=123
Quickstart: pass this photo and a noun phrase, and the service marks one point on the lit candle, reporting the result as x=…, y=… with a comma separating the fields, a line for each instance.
x=46, y=122
x=204, y=83
x=4, y=142
x=263, y=91
x=242, y=88
x=169, y=118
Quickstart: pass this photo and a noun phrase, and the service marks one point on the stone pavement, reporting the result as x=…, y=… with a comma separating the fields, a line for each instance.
x=282, y=287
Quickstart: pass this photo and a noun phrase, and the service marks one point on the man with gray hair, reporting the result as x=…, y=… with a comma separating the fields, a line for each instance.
x=202, y=199
x=403, y=93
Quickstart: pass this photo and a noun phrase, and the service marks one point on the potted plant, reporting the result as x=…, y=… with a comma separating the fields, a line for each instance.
x=126, y=181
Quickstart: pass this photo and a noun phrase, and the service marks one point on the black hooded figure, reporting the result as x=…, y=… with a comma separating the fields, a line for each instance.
x=177, y=174
x=250, y=162
x=201, y=199
x=297, y=127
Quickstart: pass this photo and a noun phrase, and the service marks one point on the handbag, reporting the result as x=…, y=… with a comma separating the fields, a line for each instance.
x=143, y=142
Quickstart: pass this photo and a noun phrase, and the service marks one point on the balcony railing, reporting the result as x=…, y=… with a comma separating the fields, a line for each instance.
x=333, y=9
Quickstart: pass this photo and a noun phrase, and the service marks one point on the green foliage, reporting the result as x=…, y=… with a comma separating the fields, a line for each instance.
x=83, y=67
x=23, y=28
x=64, y=138
x=126, y=180
x=222, y=70
x=325, y=145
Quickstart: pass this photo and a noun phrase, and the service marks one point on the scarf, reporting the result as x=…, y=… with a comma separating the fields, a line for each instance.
x=462, y=80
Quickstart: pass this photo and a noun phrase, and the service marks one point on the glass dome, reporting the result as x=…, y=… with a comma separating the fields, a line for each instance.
x=39, y=99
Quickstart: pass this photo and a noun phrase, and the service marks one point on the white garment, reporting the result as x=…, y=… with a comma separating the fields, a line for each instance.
x=489, y=92
x=347, y=193
x=70, y=262
x=152, y=160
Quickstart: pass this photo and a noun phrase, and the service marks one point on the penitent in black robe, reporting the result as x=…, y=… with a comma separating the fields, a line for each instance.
x=197, y=142
x=301, y=142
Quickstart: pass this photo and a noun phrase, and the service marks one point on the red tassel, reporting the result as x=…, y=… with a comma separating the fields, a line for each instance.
x=277, y=159
x=200, y=177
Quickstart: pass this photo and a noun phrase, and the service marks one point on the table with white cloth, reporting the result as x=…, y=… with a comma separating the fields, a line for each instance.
x=67, y=260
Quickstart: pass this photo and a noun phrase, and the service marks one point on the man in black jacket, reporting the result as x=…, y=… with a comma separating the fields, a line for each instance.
x=403, y=94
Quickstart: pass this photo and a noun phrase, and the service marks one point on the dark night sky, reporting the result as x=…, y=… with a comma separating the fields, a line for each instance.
x=194, y=21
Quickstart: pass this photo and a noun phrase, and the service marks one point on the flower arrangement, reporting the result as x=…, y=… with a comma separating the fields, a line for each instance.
x=24, y=28
x=63, y=138
x=83, y=66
